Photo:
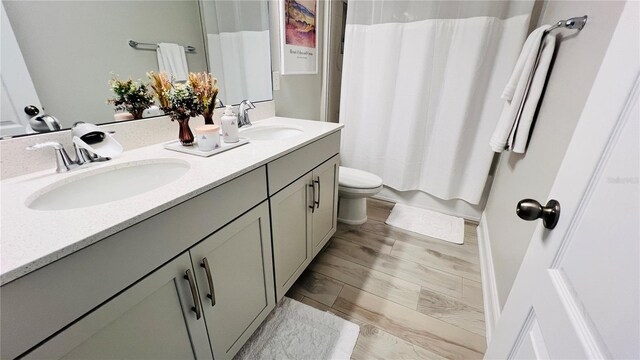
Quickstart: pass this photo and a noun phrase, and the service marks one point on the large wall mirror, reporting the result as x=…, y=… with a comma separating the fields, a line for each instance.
x=60, y=55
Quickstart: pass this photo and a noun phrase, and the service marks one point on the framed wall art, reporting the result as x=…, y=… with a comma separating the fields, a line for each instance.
x=298, y=41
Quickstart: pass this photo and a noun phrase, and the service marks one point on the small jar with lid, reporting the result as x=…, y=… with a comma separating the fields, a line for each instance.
x=208, y=137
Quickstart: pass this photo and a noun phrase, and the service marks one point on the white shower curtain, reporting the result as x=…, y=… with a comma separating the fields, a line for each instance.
x=239, y=48
x=421, y=90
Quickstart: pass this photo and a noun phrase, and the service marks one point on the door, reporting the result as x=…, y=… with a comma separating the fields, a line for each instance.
x=153, y=319
x=17, y=88
x=235, y=277
x=291, y=226
x=576, y=294
x=325, y=180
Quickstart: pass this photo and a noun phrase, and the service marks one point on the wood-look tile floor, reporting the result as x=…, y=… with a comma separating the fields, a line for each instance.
x=414, y=297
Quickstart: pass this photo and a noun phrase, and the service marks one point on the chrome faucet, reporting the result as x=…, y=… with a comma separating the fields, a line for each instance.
x=243, y=113
x=84, y=153
x=63, y=161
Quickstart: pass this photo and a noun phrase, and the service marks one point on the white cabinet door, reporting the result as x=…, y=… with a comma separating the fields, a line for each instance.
x=153, y=319
x=235, y=276
x=576, y=295
x=325, y=180
x=291, y=226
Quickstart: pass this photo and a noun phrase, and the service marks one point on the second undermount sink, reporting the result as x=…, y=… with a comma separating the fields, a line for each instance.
x=270, y=132
x=108, y=184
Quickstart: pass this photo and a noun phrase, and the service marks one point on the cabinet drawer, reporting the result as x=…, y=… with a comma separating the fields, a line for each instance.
x=39, y=304
x=285, y=170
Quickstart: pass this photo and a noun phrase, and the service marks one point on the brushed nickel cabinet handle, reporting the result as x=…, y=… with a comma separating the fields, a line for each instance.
x=317, y=181
x=194, y=293
x=212, y=291
x=313, y=197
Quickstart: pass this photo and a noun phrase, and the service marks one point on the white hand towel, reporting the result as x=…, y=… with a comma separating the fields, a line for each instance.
x=172, y=60
x=529, y=50
x=523, y=129
x=521, y=94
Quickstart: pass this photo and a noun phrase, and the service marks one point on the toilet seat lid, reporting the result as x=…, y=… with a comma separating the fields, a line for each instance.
x=358, y=179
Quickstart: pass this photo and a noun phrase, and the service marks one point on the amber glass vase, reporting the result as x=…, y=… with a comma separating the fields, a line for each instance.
x=185, y=135
x=208, y=118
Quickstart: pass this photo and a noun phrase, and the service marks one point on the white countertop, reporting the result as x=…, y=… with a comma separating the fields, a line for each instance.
x=31, y=239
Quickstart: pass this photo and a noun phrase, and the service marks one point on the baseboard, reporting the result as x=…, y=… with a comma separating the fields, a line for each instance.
x=489, y=288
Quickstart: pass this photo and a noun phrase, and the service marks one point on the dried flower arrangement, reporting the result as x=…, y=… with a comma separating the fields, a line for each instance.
x=179, y=101
x=204, y=86
x=198, y=96
x=130, y=96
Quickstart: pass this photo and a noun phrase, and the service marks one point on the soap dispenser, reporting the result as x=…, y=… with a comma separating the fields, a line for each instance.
x=229, y=124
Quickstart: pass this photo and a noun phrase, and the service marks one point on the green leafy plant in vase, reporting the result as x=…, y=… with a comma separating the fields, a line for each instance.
x=130, y=96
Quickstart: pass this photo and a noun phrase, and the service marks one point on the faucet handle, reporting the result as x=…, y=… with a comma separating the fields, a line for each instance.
x=248, y=104
x=51, y=144
x=63, y=162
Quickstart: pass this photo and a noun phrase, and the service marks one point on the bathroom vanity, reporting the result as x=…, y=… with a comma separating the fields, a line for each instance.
x=189, y=269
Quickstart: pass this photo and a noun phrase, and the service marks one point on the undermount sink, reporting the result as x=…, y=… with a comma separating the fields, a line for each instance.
x=270, y=132
x=108, y=184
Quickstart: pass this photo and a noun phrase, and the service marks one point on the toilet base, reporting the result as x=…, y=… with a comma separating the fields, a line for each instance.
x=352, y=211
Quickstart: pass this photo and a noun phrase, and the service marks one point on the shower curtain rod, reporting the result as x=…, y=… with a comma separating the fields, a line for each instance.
x=577, y=23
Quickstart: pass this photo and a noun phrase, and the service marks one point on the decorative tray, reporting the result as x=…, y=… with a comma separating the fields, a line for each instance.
x=194, y=150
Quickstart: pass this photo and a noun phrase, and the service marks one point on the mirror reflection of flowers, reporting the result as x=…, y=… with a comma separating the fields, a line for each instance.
x=130, y=96
x=204, y=86
x=161, y=86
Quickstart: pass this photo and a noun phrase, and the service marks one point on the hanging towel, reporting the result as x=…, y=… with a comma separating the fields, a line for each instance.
x=523, y=92
x=172, y=60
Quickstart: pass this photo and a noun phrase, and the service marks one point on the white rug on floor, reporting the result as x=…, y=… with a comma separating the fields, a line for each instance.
x=427, y=222
x=299, y=332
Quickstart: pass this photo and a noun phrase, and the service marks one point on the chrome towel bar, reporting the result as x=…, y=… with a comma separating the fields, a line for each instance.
x=577, y=23
x=153, y=46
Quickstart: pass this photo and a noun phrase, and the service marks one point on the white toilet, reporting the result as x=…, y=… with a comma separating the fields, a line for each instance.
x=355, y=186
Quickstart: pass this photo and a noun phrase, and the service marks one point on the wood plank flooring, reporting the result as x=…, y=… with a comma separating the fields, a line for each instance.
x=414, y=297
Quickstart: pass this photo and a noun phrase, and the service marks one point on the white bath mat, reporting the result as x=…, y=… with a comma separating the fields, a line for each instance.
x=299, y=332
x=427, y=222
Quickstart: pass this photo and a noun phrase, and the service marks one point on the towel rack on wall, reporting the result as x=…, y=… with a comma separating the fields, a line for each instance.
x=141, y=46
x=577, y=23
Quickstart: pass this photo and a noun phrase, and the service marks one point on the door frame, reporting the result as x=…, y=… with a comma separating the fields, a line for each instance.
x=18, y=89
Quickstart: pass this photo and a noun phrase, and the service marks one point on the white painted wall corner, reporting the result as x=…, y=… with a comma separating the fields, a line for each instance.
x=489, y=287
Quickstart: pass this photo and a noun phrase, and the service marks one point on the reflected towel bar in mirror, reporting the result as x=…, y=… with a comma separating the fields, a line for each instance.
x=152, y=46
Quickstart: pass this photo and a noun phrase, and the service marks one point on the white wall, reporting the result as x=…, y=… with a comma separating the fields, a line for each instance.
x=578, y=57
x=71, y=47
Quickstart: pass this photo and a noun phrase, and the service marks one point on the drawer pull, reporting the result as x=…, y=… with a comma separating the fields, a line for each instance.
x=212, y=291
x=194, y=293
x=313, y=197
x=317, y=181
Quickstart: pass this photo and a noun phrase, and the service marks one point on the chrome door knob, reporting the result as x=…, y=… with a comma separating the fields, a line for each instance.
x=529, y=209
